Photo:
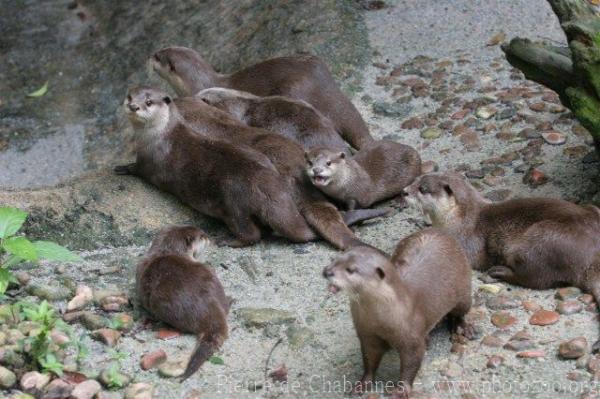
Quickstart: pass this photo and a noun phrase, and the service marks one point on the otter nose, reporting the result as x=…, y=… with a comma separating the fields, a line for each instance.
x=327, y=272
x=133, y=107
x=317, y=171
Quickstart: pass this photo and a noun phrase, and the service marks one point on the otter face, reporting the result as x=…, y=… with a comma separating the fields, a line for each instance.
x=358, y=269
x=185, y=240
x=144, y=105
x=181, y=67
x=322, y=166
x=434, y=195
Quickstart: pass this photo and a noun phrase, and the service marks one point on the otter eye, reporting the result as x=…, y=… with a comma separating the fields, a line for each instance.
x=423, y=190
x=156, y=57
x=129, y=98
x=328, y=163
x=350, y=270
x=309, y=163
x=148, y=103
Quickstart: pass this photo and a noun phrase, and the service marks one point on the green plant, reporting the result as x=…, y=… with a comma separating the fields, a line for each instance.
x=51, y=364
x=16, y=249
x=114, y=379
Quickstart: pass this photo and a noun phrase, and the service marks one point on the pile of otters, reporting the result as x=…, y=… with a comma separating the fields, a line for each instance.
x=278, y=146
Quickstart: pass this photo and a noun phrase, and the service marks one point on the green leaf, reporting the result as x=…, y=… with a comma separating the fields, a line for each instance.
x=5, y=277
x=11, y=220
x=51, y=251
x=216, y=360
x=21, y=247
x=39, y=92
x=12, y=260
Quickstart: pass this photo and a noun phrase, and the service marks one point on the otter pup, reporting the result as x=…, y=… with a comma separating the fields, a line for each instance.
x=178, y=290
x=302, y=77
x=537, y=243
x=230, y=182
x=373, y=174
x=295, y=119
x=395, y=302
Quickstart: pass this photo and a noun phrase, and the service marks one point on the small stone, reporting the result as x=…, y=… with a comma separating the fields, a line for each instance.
x=23, y=277
x=503, y=320
x=470, y=140
x=567, y=293
x=429, y=167
x=280, y=374
x=485, y=112
x=535, y=177
x=261, y=317
x=573, y=349
x=475, y=174
x=86, y=390
x=506, y=113
x=529, y=133
x=543, y=318
x=57, y=389
x=569, y=307
x=593, y=364
x=519, y=345
x=460, y=114
x=531, y=306
x=114, y=303
x=531, y=354
x=83, y=296
x=59, y=337
x=576, y=376
x=51, y=292
x=453, y=370
x=139, y=390
x=298, y=337
x=551, y=97
x=537, y=107
x=122, y=321
x=501, y=302
x=554, y=138
x=108, y=395
x=496, y=39
x=590, y=157
x=106, y=374
x=396, y=110
x=33, y=381
x=172, y=369
x=412, y=123
x=491, y=288
x=586, y=299
x=431, y=133
x=153, y=359
x=494, y=362
x=92, y=321
x=166, y=334
x=7, y=378
x=193, y=394
x=107, y=336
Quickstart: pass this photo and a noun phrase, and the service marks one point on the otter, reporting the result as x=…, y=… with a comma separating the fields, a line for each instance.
x=373, y=174
x=538, y=243
x=395, y=302
x=288, y=158
x=295, y=119
x=301, y=77
x=178, y=290
x=229, y=182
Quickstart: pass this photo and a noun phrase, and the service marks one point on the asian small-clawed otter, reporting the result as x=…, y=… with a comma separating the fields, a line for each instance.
x=301, y=77
x=395, y=302
x=294, y=119
x=538, y=243
x=230, y=182
x=373, y=174
x=178, y=290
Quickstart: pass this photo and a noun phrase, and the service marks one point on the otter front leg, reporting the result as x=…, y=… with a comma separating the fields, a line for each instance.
x=372, y=349
x=595, y=290
x=411, y=357
x=246, y=232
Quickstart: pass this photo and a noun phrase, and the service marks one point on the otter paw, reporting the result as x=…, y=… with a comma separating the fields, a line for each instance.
x=401, y=393
x=500, y=272
x=468, y=331
x=596, y=347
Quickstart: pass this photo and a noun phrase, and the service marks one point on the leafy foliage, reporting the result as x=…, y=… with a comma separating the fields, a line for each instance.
x=16, y=249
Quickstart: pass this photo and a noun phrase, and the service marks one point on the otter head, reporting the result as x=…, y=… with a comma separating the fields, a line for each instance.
x=182, y=240
x=324, y=166
x=359, y=270
x=146, y=106
x=234, y=102
x=184, y=69
x=444, y=198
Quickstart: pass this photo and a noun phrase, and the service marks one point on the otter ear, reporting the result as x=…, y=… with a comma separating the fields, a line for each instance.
x=448, y=190
x=189, y=239
x=380, y=273
x=171, y=66
x=342, y=155
x=306, y=155
x=167, y=100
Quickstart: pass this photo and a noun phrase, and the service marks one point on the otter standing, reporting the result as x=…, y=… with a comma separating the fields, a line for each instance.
x=373, y=174
x=537, y=243
x=230, y=182
x=182, y=292
x=294, y=119
x=396, y=302
x=302, y=77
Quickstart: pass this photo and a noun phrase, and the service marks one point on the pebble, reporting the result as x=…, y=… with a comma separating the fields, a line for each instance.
x=412, y=123
x=535, y=177
x=475, y=174
x=114, y=303
x=58, y=388
x=485, y=112
x=573, y=349
x=531, y=354
x=544, y=317
x=501, y=302
x=140, y=390
x=492, y=341
x=153, y=359
x=395, y=110
x=460, y=114
x=105, y=379
x=171, y=369
x=262, y=317
x=470, y=140
x=92, y=321
x=83, y=296
x=124, y=321
x=554, y=138
x=567, y=293
x=7, y=378
x=166, y=334
x=299, y=337
x=531, y=306
x=537, y=107
x=586, y=299
x=34, y=381
x=107, y=336
x=108, y=395
x=590, y=157
x=593, y=364
x=453, y=370
x=503, y=320
x=491, y=288
x=494, y=362
x=529, y=133
x=569, y=307
x=51, y=292
x=86, y=389
x=431, y=133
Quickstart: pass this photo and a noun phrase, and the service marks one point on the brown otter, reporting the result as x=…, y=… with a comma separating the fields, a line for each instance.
x=178, y=290
x=302, y=77
x=230, y=182
x=295, y=119
x=288, y=158
x=395, y=302
x=537, y=243
x=373, y=174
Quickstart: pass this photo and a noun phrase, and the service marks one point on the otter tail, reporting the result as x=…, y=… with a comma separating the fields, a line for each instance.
x=205, y=347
